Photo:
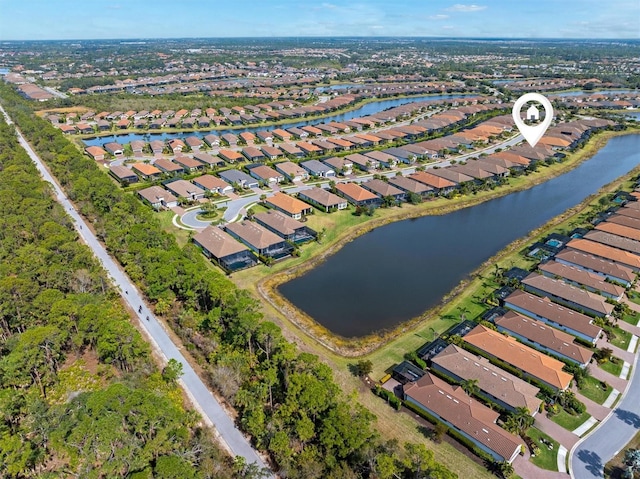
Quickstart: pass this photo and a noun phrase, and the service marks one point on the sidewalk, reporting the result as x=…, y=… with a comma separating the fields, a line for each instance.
x=616, y=382
x=526, y=469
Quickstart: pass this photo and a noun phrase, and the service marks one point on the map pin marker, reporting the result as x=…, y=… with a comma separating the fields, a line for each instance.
x=532, y=133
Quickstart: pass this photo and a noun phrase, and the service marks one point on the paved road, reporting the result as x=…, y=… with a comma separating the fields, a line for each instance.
x=589, y=456
x=235, y=207
x=202, y=398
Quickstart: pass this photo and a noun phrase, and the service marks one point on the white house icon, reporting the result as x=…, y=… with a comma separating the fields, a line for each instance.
x=532, y=113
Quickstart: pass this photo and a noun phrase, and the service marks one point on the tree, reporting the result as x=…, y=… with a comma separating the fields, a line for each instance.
x=363, y=368
x=172, y=371
x=519, y=421
x=632, y=460
x=470, y=386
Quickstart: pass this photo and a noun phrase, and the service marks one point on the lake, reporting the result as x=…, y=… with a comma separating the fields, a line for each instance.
x=398, y=271
x=364, y=110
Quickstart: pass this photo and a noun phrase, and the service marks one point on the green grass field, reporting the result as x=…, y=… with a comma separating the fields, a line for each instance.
x=547, y=458
x=612, y=367
x=622, y=338
x=569, y=421
x=592, y=389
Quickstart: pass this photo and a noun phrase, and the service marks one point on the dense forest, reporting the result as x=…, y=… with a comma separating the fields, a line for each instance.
x=287, y=401
x=79, y=394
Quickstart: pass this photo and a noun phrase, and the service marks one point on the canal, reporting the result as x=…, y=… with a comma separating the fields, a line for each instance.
x=367, y=109
x=398, y=271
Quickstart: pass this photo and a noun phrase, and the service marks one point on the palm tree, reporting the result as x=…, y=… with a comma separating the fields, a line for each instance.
x=470, y=386
x=519, y=421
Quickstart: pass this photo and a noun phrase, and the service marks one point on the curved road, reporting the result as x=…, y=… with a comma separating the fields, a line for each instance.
x=200, y=396
x=589, y=455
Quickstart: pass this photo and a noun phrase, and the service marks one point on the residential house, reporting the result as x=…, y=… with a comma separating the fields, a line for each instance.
x=137, y=146
x=213, y=184
x=615, y=241
x=323, y=199
x=247, y=137
x=619, y=230
x=462, y=413
x=176, y=145
x=185, y=189
x=363, y=162
x=230, y=139
x=84, y=128
x=194, y=142
x=339, y=164
x=281, y=134
x=240, y=178
x=565, y=319
x=292, y=171
x=285, y=226
x=123, y=174
x=384, y=158
x=411, y=186
x=318, y=169
x=253, y=154
x=438, y=184
x=208, y=159
x=563, y=293
x=213, y=141
x=158, y=197
x=540, y=336
x=401, y=154
x=582, y=278
x=266, y=174
x=291, y=150
x=157, y=147
x=265, y=136
x=115, y=149
x=168, y=166
x=451, y=175
x=146, y=171
x=605, y=268
x=259, y=239
x=230, y=156
x=506, y=390
x=529, y=361
x=308, y=148
x=271, y=152
x=228, y=253
x=95, y=152
x=357, y=195
x=384, y=190
x=288, y=205
x=189, y=164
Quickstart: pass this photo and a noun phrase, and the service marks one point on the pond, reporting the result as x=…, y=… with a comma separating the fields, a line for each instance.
x=398, y=271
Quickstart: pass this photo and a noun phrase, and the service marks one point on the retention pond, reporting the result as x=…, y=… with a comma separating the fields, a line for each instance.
x=398, y=271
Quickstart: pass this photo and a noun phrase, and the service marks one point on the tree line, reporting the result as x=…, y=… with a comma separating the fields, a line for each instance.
x=287, y=401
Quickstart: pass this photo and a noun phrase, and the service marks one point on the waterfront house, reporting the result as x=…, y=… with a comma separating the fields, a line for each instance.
x=530, y=362
x=563, y=293
x=357, y=195
x=158, y=197
x=565, y=319
x=384, y=189
x=540, y=336
x=228, y=253
x=259, y=239
x=157, y=147
x=411, y=186
x=288, y=205
x=438, y=184
x=603, y=267
x=285, y=226
x=176, y=145
x=212, y=140
x=613, y=240
x=506, y=390
x=95, y=152
x=582, y=278
x=476, y=422
x=115, y=149
x=323, y=199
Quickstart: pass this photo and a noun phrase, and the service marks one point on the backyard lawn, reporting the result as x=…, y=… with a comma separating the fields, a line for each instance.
x=622, y=338
x=569, y=421
x=592, y=389
x=546, y=458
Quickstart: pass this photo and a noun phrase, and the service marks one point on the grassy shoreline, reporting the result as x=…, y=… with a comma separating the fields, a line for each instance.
x=266, y=281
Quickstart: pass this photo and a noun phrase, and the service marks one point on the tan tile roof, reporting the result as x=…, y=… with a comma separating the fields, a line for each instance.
x=382, y=188
x=218, y=243
x=211, y=182
x=498, y=383
x=146, y=169
x=431, y=180
x=543, y=334
x=254, y=234
x=614, y=240
x=279, y=221
x=544, y=308
x=323, y=197
x=581, y=276
x=530, y=361
x=288, y=203
x=154, y=193
x=565, y=291
x=463, y=412
x=355, y=192
x=594, y=263
x=604, y=251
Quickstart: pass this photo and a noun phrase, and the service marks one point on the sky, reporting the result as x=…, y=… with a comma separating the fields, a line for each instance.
x=125, y=19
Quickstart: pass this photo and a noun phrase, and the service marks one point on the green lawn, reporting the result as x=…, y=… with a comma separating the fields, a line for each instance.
x=569, y=421
x=612, y=367
x=546, y=458
x=622, y=338
x=592, y=389
x=631, y=319
x=634, y=296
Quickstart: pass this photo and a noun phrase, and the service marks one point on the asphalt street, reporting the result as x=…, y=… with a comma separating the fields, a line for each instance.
x=201, y=397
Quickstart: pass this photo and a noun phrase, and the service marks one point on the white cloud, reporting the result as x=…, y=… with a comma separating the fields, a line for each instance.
x=438, y=17
x=458, y=7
